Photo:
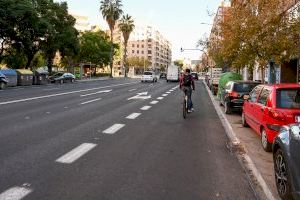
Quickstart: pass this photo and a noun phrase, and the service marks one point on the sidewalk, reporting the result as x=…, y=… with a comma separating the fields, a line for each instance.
x=246, y=144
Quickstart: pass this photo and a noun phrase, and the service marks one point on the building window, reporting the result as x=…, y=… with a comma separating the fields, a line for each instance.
x=142, y=52
x=142, y=46
x=132, y=45
x=132, y=51
x=137, y=51
x=137, y=46
x=149, y=52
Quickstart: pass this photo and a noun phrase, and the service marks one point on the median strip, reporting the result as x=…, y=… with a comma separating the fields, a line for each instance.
x=15, y=193
x=113, y=129
x=76, y=153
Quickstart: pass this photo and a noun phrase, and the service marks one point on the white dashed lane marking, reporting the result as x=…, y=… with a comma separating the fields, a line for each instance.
x=76, y=153
x=113, y=129
x=160, y=98
x=153, y=102
x=168, y=92
x=133, y=116
x=90, y=101
x=99, y=92
x=15, y=193
x=131, y=90
x=164, y=95
x=146, y=108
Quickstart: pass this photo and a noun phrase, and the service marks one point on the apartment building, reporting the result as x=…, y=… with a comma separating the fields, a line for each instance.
x=148, y=43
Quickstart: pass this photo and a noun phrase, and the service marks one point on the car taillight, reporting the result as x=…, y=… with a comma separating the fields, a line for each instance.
x=233, y=94
x=277, y=115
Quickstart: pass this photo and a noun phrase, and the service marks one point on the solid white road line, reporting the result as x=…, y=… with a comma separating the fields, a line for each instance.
x=99, y=92
x=15, y=193
x=146, y=108
x=64, y=93
x=76, y=153
x=160, y=98
x=132, y=90
x=133, y=116
x=153, y=102
x=113, y=129
x=164, y=95
x=90, y=101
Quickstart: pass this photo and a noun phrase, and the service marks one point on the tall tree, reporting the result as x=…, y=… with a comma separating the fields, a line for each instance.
x=126, y=26
x=111, y=12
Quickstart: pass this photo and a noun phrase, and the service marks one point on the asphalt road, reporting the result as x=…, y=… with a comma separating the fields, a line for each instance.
x=88, y=141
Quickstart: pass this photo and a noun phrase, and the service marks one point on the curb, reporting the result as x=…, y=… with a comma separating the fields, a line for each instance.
x=258, y=183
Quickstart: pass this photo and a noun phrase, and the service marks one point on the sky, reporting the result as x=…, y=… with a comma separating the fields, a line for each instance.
x=180, y=21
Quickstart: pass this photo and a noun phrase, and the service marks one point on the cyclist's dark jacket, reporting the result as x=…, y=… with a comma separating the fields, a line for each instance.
x=192, y=84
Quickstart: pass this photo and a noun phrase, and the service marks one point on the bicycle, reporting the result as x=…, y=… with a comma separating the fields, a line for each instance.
x=185, y=105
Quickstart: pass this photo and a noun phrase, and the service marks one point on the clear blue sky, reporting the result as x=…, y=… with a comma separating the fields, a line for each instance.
x=178, y=20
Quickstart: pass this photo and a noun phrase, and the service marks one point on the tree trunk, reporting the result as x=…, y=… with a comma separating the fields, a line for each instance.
x=29, y=60
x=111, y=52
x=125, y=57
x=49, y=64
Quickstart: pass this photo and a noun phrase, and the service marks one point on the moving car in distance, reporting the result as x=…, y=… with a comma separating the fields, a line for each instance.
x=286, y=159
x=149, y=76
x=195, y=75
x=3, y=81
x=269, y=107
x=62, y=77
x=232, y=96
x=173, y=73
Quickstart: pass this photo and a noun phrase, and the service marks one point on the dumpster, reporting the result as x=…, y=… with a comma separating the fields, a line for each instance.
x=25, y=77
x=40, y=77
x=11, y=76
x=225, y=78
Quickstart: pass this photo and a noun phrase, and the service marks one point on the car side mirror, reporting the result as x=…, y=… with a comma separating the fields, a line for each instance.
x=246, y=97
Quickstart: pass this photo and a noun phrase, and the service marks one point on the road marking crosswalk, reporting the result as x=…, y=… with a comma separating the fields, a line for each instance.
x=76, y=153
x=15, y=193
x=133, y=116
x=113, y=129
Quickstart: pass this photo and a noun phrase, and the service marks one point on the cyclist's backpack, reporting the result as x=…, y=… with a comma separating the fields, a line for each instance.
x=187, y=80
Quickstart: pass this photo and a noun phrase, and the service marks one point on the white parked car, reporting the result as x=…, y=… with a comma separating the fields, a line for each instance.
x=149, y=76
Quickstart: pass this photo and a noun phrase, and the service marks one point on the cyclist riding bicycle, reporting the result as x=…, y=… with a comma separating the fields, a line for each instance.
x=187, y=85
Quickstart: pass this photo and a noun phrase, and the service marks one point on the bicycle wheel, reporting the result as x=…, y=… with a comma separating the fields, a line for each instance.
x=184, y=109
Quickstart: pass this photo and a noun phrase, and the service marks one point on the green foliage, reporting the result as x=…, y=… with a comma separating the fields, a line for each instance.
x=178, y=63
x=94, y=48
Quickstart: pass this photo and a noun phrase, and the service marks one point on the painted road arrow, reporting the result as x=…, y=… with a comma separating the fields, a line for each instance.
x=141, y=95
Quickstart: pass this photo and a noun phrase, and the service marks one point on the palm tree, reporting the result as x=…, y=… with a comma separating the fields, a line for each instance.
x=111, y=12
x=126, y=26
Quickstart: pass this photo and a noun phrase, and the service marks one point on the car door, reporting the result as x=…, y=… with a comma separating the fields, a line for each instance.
x=260, y=108
x=249, y=106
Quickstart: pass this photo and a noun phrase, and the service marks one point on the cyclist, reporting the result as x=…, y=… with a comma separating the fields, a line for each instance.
x=187, y=85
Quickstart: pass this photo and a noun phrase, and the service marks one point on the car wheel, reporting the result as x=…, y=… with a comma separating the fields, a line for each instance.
x=267, y=146
x=167, y=80
x=72, y=80
x=2, y=86
x=282, y=176
x=227, y=108
x=244, y=122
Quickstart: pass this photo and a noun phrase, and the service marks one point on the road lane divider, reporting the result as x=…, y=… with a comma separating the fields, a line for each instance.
x=99, y=92
x=64, y=93
x=168, y=92
x=160, y=98
x=153, y=102
x=146, y=107
x=133, y=115
x=113, y=129
x=164, y=95
x=91, y=101
x=76, y=153
x=132, y=90
x=15, y=193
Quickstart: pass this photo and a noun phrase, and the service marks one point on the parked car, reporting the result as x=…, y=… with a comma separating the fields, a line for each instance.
x=268, y=107
x=232, y=96
x=3, y=81
x=163, y=75
x=149, y=76
x=195, y=75
x=62, y=77
x=286, y=156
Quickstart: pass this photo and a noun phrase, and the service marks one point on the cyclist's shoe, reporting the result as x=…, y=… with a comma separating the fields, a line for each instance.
x=193, y=110
x=189, y=111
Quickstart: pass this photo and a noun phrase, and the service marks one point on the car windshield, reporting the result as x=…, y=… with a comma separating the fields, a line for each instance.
x=244, y=87
x=57, y=75
x=147, y=73
x=288, y=98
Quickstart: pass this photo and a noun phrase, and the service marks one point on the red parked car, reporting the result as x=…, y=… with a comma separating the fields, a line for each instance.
x=268, y=107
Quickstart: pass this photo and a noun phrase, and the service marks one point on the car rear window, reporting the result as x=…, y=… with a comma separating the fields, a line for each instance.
x=244, y=87
x=147, y=73
x=288, y=98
